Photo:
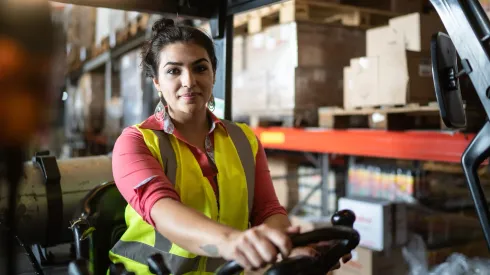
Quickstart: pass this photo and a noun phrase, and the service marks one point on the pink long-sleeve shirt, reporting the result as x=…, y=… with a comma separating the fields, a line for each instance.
x=142, y=182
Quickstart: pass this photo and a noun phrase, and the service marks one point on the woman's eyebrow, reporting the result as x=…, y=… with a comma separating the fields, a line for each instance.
x=181, y=64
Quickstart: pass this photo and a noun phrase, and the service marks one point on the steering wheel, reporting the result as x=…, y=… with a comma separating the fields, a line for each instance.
x=345, y=237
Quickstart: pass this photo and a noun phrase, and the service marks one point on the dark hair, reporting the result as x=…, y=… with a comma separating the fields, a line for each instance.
x=165, y=32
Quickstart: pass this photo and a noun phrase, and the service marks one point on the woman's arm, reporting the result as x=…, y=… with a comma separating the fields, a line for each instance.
x=278, y=221
x=189, y=228
x=138, y=175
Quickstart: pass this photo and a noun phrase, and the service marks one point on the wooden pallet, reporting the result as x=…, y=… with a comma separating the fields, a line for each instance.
x=312, y=11
x=411, y=116
x=408, y=117
x=282, y=118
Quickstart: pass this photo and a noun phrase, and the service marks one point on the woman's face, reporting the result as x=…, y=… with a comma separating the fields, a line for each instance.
x=185, y=77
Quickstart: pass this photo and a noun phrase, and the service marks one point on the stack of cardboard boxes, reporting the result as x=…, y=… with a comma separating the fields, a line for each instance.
x=397, y=67
x=293, y=67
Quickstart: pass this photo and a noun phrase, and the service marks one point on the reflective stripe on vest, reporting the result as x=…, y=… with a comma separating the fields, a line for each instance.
x=139, y=251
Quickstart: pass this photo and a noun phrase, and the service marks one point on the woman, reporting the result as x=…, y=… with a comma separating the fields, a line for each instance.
x=184, y=172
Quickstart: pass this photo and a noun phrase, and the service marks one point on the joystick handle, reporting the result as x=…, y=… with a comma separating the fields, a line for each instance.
x=157, y=266
x=119, y=269
x=344, y=218
x=78, y=267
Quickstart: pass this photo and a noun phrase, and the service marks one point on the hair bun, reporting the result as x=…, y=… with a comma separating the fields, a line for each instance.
x=162, y=24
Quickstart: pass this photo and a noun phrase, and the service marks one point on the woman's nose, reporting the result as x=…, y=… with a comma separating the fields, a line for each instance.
x=188, y=79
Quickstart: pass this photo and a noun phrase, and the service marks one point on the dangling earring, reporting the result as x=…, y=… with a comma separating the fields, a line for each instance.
x=160, y=110
x=211, y=103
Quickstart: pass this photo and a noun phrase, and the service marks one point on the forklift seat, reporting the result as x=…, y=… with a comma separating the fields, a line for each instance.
x=98, y=225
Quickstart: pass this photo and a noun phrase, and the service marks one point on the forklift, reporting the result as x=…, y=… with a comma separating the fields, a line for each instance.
x=98, y=222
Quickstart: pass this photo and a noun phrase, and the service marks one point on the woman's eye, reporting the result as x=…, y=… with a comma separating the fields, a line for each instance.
x=173, y=71
x=201, y=68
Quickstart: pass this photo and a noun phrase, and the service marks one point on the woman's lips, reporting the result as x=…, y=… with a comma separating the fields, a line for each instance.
x=189, y=96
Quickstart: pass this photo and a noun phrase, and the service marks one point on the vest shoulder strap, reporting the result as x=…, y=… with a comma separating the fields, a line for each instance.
x=247, y=158
x=167, y=154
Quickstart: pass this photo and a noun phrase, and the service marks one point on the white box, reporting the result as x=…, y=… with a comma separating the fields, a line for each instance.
x=383, y=40
x=381, y=224
x=417, y=29
x=361, y=85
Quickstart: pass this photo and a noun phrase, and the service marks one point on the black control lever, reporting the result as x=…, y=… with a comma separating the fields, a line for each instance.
x=157, y=266
x=347, y=239
x=344, y=218
x=78, y=267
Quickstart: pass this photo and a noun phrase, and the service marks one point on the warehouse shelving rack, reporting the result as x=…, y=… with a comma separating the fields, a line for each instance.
x=411, y=145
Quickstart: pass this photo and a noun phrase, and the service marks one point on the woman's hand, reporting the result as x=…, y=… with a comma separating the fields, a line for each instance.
x=308, y=251
x=314, y=249
x=256, y=247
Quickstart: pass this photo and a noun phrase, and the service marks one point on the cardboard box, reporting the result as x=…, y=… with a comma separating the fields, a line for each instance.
x=384, y=40
x=286, y=90
x=361, y=82
x=249, y=91
x=368, y=262
x=406, y=6
x=414, y=31
x=417, y=29
x=382, y=225
x=274, y=47
x=390, y=79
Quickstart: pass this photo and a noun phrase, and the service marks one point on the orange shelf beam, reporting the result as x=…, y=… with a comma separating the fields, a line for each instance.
x=411, y=145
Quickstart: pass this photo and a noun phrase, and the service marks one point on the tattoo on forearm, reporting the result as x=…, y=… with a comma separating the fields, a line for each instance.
x=211, y=250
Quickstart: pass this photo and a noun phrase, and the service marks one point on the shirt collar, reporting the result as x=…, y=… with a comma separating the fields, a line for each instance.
x=166, y=124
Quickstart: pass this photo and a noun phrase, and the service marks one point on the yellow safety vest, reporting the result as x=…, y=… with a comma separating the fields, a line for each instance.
x=235, y=159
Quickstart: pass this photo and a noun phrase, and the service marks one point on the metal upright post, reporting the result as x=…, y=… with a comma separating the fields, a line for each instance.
x=222, y=32
x=325, y=171
x=108, y=80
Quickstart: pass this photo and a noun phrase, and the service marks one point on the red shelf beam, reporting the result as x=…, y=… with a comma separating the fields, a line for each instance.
x=411, y=145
